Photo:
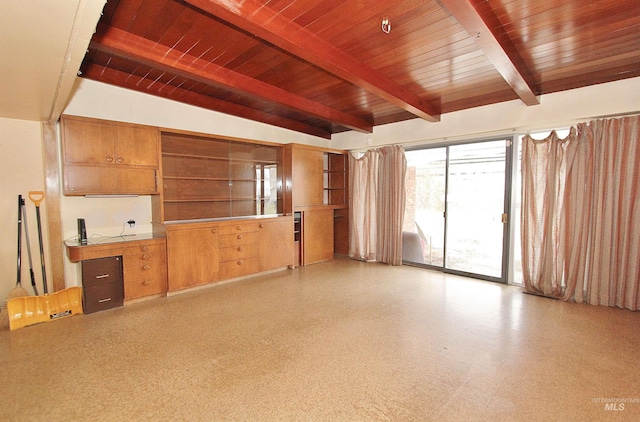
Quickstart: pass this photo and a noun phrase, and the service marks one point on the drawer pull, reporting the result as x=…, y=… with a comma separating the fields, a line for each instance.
x=146, y=283
x=238, y=227
x=102, y=276
x=214, y=231
x=239, y=248
x=146, y=267
x=120, y=160
x=261, y=225
x=108, y=159
x=145, y=257
x=239, y=236
x=240, y=262
x=104, y=300
x=145, y=248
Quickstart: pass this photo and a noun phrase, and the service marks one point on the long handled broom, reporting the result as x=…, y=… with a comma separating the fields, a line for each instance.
x=17, y=291
x=37, y=197
x=25, y=221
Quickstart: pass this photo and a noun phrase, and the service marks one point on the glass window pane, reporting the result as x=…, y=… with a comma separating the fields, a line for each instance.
x=475, y=204
x=423, y=237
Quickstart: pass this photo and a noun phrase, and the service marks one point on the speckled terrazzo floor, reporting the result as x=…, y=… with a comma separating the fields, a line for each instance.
x=342, y=340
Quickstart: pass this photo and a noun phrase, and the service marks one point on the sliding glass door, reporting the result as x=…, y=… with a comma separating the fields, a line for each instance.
x=424, y=214
x=457, y=202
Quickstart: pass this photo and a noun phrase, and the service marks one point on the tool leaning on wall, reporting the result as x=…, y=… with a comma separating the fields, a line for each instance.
x=20, y=309
x=18, y=290
x=25, y=221
x=37, y=197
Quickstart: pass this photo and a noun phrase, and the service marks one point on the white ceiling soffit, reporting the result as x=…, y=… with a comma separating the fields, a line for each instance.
x=42, y=44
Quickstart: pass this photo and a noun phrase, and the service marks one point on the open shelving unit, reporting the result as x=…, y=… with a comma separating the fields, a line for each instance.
x=206, y=178
x=335, y=179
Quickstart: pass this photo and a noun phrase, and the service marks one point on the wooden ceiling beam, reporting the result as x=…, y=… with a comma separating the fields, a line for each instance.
x=496, y=45
x=260, y=20
x=123, y=44
x=150, y=86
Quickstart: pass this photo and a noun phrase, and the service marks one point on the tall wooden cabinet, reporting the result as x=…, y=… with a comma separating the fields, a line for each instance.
x=104, y=158
x=317, y=191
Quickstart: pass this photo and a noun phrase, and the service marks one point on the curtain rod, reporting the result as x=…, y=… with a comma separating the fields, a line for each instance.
x=447, y=139
x=610, y=116
x=480, y=136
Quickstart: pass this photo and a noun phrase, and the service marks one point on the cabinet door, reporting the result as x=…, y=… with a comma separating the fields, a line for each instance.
x=317, y=236
x=140, y=180
x=192, y=257
x=81, y=180
x=275, y=243
x=88, y=142
x=137, y=145
x=308, y=173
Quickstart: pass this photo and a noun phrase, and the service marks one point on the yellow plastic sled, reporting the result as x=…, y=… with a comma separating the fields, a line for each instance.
x=31, y=310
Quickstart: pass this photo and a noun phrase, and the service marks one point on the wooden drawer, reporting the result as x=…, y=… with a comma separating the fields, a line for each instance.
x=239, y=228
x=238, y=252
x=144, y=286
x=145, y=270
x=143, y=279
x=102, y=296
x=145, y=255
x=230, y=240
x=145, y=248
x=239, y=267
x=101, y=271
x=102, y=284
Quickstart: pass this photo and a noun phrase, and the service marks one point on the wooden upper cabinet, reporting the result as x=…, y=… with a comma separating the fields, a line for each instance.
x=136, y=145
x=307, y=177
x=88, y=142
x=104, y=157
x=315, y=177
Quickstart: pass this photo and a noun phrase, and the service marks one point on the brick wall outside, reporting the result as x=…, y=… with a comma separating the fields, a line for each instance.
x=410, y=207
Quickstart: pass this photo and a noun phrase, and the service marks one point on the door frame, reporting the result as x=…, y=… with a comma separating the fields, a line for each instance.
x=510, y=151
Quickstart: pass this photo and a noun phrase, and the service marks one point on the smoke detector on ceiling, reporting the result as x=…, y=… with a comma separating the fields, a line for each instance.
x=386, y=25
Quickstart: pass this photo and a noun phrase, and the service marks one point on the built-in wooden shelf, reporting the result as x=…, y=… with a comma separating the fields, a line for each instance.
x=212, y=177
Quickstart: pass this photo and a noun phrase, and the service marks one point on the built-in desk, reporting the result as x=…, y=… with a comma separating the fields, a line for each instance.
x=144, y=260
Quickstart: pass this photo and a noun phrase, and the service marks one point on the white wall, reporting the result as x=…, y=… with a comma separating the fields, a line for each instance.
x=21, y=162
x=557, y=110
x=21, y=171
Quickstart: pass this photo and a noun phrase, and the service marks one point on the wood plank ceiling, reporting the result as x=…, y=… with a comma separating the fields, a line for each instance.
x=325, y=66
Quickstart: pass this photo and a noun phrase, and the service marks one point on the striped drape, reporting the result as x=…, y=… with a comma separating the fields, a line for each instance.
x=581, y=214
x=377, y=199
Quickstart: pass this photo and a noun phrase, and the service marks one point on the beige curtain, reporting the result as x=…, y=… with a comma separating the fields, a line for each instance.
x=376, y=205
x=581, y=214
x=391, y=202
x=363, y=179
